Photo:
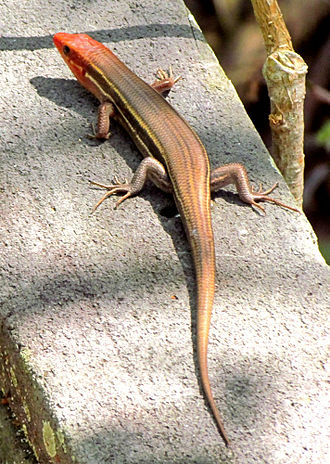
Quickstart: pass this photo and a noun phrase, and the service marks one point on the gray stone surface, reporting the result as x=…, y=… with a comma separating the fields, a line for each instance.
x=98, y=311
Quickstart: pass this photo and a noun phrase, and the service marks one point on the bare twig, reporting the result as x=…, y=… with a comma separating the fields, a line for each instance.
x=284, y=71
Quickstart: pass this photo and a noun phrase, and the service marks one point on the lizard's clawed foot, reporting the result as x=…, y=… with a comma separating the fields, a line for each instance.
x=114, y=188
x=263, y=196
x=163, y=75
x=96, y=135
x=164, y=81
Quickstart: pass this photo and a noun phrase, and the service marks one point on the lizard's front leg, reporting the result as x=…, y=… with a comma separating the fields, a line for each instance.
x=235, y=173
x=106, y=111
x=149, y=168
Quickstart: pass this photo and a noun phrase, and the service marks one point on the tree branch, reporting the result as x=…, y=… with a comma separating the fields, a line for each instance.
x=284, y=72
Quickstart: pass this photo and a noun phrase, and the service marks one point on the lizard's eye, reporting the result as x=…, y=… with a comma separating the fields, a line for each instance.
x=66, y=50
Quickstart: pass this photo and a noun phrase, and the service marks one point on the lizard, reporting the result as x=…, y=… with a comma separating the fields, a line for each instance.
x=174, y=159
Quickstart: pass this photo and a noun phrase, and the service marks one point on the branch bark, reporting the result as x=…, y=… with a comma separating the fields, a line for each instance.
x=285, y=74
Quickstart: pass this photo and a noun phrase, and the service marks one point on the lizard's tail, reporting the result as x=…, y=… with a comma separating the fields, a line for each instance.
x=204, y=310
x=192, y=194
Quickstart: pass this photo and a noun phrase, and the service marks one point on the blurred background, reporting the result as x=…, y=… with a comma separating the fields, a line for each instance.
x=233, y=33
